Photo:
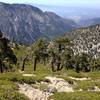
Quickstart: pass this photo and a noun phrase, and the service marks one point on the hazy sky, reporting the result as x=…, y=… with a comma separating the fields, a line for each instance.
x=58, y=2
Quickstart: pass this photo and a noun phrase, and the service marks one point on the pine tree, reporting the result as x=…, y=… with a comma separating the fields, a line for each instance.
x=6, y=53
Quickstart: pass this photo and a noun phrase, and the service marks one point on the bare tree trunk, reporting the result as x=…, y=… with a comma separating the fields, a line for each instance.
x=23, y=67
x=52, y=63
x=35, y=63
x=58, y=63
x=44, y=60
x=52, y=66
x=24, y=61
x=77, y=69
x=58, y=66
x=67, y=67
x=59, y=47
x=1, y=67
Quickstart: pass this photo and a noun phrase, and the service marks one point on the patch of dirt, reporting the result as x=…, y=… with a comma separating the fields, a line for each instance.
x=29, y=75
x=80, y=79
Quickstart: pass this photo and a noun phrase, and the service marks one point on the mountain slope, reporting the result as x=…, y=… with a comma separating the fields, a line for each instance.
x=25, y=23
x=93, y=21
x=87, y=40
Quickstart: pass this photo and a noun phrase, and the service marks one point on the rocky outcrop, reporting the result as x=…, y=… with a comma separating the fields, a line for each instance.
x=60, y=84
x=32, y=93
x=55, y=85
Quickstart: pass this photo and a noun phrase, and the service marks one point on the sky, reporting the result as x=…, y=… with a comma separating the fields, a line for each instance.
x=57, y=2
x=73, y=9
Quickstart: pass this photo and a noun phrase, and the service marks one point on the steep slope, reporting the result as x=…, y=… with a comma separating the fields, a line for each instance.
x=87, y=40
x=25, y=23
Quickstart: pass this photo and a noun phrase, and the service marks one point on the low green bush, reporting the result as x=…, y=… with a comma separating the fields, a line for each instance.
x=77, y=96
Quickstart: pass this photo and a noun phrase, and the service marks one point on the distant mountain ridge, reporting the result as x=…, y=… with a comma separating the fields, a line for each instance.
x=25, y=23
x=89, y=22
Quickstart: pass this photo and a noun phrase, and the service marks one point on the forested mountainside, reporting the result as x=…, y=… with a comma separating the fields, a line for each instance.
x=87, y=40
x=25, y=23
